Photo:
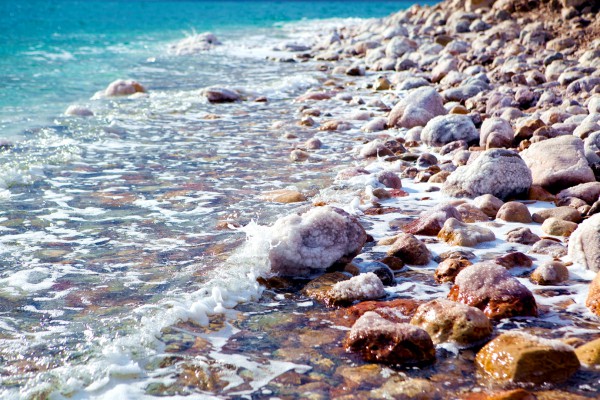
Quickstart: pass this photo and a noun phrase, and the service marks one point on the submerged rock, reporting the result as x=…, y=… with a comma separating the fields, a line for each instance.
x=584, y=244
x=79, y=111
x=447, y=270
x=122, y=87
x=314, y=241
x=195, y=43
x=589, y=353
x=217, y=94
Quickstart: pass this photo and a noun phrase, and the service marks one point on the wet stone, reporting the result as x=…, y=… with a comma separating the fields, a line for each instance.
x=447, y=270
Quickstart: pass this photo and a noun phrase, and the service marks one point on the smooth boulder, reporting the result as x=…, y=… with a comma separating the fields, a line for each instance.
x=417, y=108
x=449, y=128
x=584, y=244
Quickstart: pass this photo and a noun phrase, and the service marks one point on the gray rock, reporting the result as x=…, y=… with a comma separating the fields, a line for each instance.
x=495, y=125
x=584, y=244
x=444, y=129
x=417, y=108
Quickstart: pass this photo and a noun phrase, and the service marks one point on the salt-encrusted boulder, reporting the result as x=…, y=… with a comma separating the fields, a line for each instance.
x=378, y=340
x=593, y=299
x=558, y=163
x=314, y=241
x=584, y=244
x=457, y=233
x=444, y=129
x=550, y=273
x=410, y=250
x=75, y=110
x=195, y=43
x=518, y=357
x=430, y=222
x=447, y=270
x=358, y=288
x=122, y=87
x=498, y=172
x=491, y=288
x=216, y=94
x=588, y=192
x=449, y=321
x=498, y=126
x=417, y=108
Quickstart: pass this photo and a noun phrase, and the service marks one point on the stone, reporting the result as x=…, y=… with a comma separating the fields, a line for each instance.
x=410, y=250
x=445, y=129
x=558, y=163
x=518, y=357
x=313, y=144
x=470, y=213
x=375, y=148
x=491, y=288
x=358, y=288
x=383, y=271
x=447, y=270
x=497, y=126
x=591, y=148
x=593, y=299
x=195, y=43
x=122, y=87
x=417, y=108
x=514, y=211
x=75, y=110
x=457, y=233
x=488, y=204
x=538, y=193
x=550, y=273
x=588, y=192
x=389, y=179
x=410, y=389
x=397, y=310
x=514, y=259
x=448, y=321
x=584, y=244
x=314, y=241
x=319, y=287
x=299, y=155
x=284, y=196
x=375, y=125
x=379, y=340
x=499, y=172
x=558, y=227
x=430, y=222
x=549, y=247
x=522, y=235
x=589, y=353
x=216, y=94
x=563, y=213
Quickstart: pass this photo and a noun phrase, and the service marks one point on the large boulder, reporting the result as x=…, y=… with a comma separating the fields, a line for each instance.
x=518, y=357
x=444, y=129
x=417, y=108
x=491, y=288
x=314, y=241
x=584, y=244
x=588, y=192
x=558, y=163
x=449, y=321
x=378, y=340
x=499, y=172
x=593, y=299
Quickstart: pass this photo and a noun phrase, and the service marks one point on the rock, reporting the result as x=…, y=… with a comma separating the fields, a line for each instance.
x=591, y=148
x=389, y=179
x=457, y=233
x=284, y=196
x=448, y=321
x=445, y=129
x=549, y=247
x=122, y=87
x=375, y=148
x=558, y=227
x=513, y=211
x=518, y=357
x=538, y=193
x=488, y=204
x=417, y=108
x=398, y=46
x=472, y=5
x=550, y=273
x=439, y=177
x=430, y=222
x=499, y=172
x=593, y=299
x=558, y=163
x=584, y=244
x=216, y=94
x=319, y=288
x=358, y=288
x=410, y=250
x=299, y=155
x=375, y=125
x=588, y=192
x=410, y=389
x=379, y=340
x=589, y=353
x=492, y=289
x=195, y=43
x=563, y=213
x=496, y=126
x=457, y=254
x=522, y=236
x=397, y=310
x=382, y=83
x=383, y=271
x=514, y=259
x=313, y=144
x=447, y=270
x=79, y=111
x=314, y=241
x=470, y=213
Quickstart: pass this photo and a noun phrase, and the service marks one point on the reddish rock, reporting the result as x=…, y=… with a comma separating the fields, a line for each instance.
x=398, y=310
x=470, y=213
x=430, y=222
x=593, y=299
x=447, y=270
x=514, y=259
x=522, y=236
x=410, y=250
x=588, y=192
x=558, y=227
x=488, y=204
x=513, y=211
x=564, y=213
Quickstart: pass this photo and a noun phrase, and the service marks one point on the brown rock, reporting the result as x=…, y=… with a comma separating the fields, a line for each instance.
x=488, y=204
x=514, y=259
x=430, y=222
x=513, y=211
x=447, y=270
x=378, y=340
x=470, y=213
x=549, y=247
x=536, y=192
x=410, y=250
x=318, y=288
x=284, y=196
x=410, y=389
x=558, y=227
x=398, y=310
x=550, y=273
x=395, y=263
x=439, y=177
x=522, y=235
x=588, y=192
x=517, y=357
x=564, y=213
x=299, y=155
x=589, y=353
x=593, y=299
x=457, y=233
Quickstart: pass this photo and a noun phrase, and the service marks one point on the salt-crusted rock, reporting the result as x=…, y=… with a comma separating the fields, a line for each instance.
x=518, y=357
x=558, y=227
x=522, y=235
x=589, y=353
x=314, y=241
x=195, y=43
x=498, y=172
x=430, y=222
x=457, y=233
x=549, y=247
x=122, y=87
x=410, y=250
x=513, y=211
x=375, y=125
x=447, y=270
x=558, y=163
x=593, y=299
x=216, y=94
x=448, y=321
x=79, y=111
x=444, y=129
x=497, y=126
x=514, y=259
x=564, y=213
x=550, y=273
x=417, y=108
x=379, y=340
x=389, y=179
x=491, y=288
x=319, y=287
x=470, y=213
x=361, y=287
x=488, y=204
x=399, y=46
x=584, y=244
x=588, y=192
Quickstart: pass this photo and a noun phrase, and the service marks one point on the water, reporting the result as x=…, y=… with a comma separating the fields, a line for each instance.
x=111, y=227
